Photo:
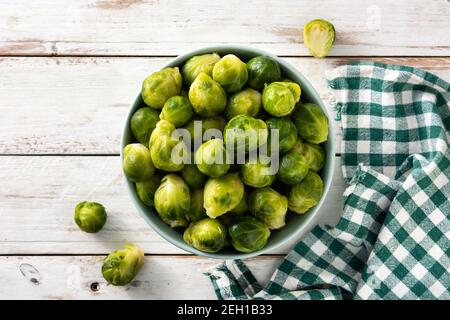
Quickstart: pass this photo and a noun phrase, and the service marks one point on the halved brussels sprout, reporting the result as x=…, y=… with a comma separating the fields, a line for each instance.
x=211, y=158
x=192, y=176
x=207, y=235
x=231, y=73
x=293, y=168
x=248, y=234
x=207, y=97
x=311, y=122
x=257, y=174
x=306, y=194
x=215, y=123
x=90, y=216
x=262, y=70
x=197, y=211
x=167, y=152
x=318, y=36
x=287, y=132
x=222, y=194
x=245, y=133
x=177, y=110
x=247, y=101
x=142, y=124
x=313, y=153
x=121, y=266
x=269, y=206
x=173, y=201
x=279, y=98
x=160, y=86
x=137, y=162
x=197, y=64
x=146, y=190
x=241, y=208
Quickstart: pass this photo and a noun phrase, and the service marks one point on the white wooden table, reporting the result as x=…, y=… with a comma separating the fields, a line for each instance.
x=68, y=73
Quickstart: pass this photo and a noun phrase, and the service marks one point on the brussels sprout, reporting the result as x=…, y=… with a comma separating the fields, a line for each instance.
x=262, y=70
x=207, y=235
x=293, y=168
x=197, y=211
x=269, y=206
x=243, y=132
x=205, y=124
x=177, y=110
x=137, y=162
x=197, y=64
x=311, y=122
x=146, y=190
x=211, y=158
x=306, y=194
x=247, y=101
x=90, y=216
x=121, y=266
x=313, y=153
x=192, y=176
x=248, y=234
x=287, y=132
x=279, y=98
x=142, y=123
x=173, y=201
x=167, y=152
x=318, y=36
x=257, y=174
x=160, y=86
x=222, y=194
x=241, y=208
x=231, y=73
x=207, y=96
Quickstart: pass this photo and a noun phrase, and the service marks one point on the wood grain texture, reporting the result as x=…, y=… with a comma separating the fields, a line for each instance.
x=136, y=27
x=162, y=277
x=78, y=105
x=38, y=196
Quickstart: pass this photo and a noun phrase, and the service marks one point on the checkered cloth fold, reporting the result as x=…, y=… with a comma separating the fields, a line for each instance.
x=393, y=240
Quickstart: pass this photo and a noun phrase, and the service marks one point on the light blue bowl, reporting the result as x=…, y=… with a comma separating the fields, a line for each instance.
x=296, y=225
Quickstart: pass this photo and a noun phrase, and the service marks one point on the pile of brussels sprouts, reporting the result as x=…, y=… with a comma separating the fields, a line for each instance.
x=215, y=99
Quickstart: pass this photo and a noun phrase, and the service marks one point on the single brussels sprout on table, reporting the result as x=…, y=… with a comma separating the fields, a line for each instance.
x=248, y=234
x=160, y=86
x=247, y=101
x=231, y=73
x=306, y=194
x=167, y=152
x=311, y=122
x=173, y=201
x=279, y=98
x=90, y=216
x=262, y=70
x=142, y=124
x=241, y=208
x=212, y=125
x=313, y=153
x=207, y=235
x=222, y=194
x=146, y=190
x=293, y=168
x=192, y=176
x=211, y=158
x=287, y=132
x=197, y=211
x=197, y=64
x=121, y=266
x=245, y=133
x=137, y=162
x=207, y=97
x=257, y=174
x=319, y=36
x=269, y=206
x=177, y=110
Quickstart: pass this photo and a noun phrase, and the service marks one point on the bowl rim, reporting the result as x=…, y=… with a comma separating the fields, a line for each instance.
x=312, y=215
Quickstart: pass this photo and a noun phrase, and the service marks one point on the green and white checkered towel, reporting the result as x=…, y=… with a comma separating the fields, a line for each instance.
x=393, y=240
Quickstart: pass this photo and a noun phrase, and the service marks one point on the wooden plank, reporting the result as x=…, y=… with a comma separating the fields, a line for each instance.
x=162, y=277
x=38, y=196
x=136, y=27
x=78, y=105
